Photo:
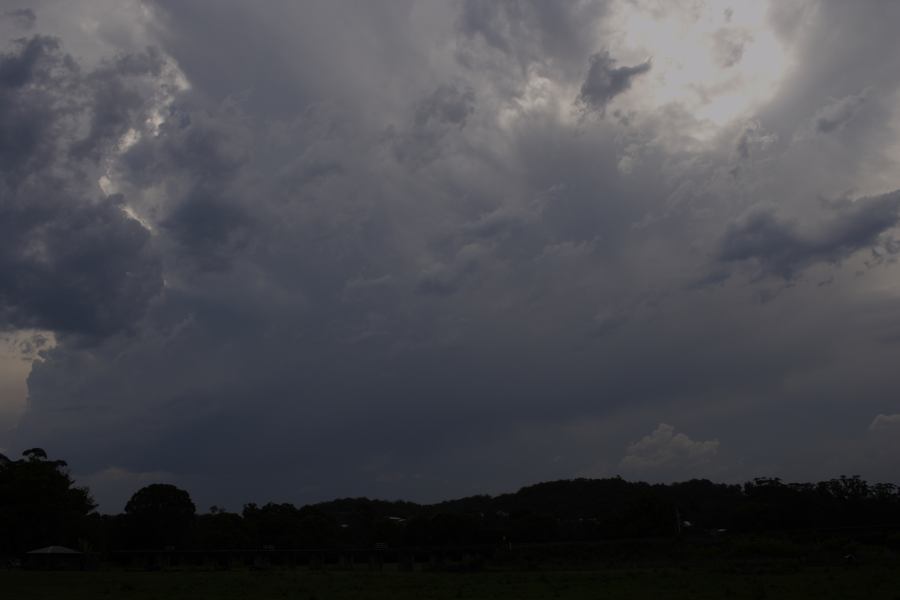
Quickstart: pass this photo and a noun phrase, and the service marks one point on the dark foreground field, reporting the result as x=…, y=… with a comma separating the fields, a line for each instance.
x=732, y=581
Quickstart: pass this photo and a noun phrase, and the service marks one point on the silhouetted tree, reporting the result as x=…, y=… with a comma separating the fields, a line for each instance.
x=40, y=504
x=35, y=454
x=285, y=526
x=158, y=516
x=221, y=530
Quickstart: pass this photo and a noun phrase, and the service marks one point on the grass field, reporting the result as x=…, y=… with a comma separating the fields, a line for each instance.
x=729, y=581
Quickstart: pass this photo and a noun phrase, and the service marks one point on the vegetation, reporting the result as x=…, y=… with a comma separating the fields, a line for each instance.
x=40, y=505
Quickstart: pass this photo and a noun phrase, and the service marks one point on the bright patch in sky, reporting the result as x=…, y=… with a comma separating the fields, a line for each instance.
x=719, y=59
x=17, y=352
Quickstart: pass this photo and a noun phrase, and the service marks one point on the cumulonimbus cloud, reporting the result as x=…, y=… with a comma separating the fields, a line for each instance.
x=408, y=244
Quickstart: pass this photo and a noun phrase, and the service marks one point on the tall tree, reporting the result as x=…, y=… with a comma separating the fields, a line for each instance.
x=158, y=516
x=40, y=504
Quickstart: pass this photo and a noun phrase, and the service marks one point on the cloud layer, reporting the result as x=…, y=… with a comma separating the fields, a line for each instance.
x=433, y=248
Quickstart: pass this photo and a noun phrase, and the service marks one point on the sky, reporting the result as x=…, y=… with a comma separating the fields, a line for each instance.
x=293, y=251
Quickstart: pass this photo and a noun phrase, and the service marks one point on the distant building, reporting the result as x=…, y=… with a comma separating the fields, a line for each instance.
x=55, y=558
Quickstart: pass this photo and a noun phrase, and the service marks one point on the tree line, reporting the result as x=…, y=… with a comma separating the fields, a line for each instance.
x=41, y=505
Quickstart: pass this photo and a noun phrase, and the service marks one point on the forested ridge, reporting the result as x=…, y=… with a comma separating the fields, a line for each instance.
x=41, y=505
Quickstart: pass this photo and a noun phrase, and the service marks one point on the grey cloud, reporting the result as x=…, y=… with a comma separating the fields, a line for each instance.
x=556, y=36
x=212, y=229
x=363, y=288
x=753, y=139
x=27, y=112
x=120, y=91
x=487, y=20
x=885, y=423
x=254, y=67
x=728, y=45
x=72, y=260
x=23, y=17
x=838, y=113
x=392, y=249
x=787, y=18
x=666, y=449
x=445, y=110
x=499, y=222
x=605, y=81
x=446, y=278
x=87, y=270
x=446, y=104
x=30, y=346
x=271, y=80
x=200, y=156
x=607, y=321
x=839, y=64
x=784, y=247
x=555, y=28
x=35, y=58
x=202, y=146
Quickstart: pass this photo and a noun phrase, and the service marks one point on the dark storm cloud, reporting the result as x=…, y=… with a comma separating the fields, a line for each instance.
x=23, y=17
x=86, y=271
x=489, y=20
x=605, y=81
x=552, y=35
x=27, y=113
x=398, y=263
x=209, y=227
x=34, y=59
x=530, y=28
x=446, y=104
x=116, y=104
x=435, y=116
x=71, y=260
x=784, y=247
x=200, y=156
x=838, y=113
x=753, y=139
x=446, y=278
